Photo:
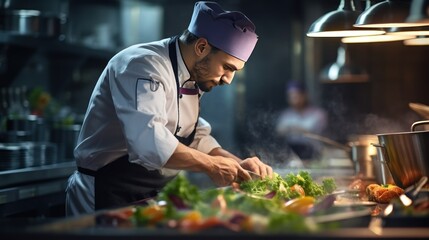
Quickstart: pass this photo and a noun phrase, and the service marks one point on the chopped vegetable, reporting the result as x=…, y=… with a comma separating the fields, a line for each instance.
x=182, y=189
x=290, y=222
x=149, y=215
x=300, y=205
x=179, y=194
x=270, y=204
x=289, y=187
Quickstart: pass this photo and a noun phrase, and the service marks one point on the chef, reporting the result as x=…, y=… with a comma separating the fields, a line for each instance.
x=142, y=124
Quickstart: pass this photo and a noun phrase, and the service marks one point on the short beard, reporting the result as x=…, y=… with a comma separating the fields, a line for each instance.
x=199, y=71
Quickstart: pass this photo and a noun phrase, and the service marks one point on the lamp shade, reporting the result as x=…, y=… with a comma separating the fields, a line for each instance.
x=374, y=39
x=419, y=11
x=339, y=23
x=387, y=14
x=421, y=41
x=342, y=70
x=411, y=31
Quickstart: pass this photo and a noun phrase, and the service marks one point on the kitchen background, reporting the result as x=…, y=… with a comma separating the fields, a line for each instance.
x=58, y=67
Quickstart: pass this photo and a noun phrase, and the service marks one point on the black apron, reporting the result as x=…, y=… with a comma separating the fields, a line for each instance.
x=121, y=182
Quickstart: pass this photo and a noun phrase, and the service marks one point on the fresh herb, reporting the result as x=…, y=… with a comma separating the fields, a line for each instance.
x=180, y=187
x=284, y=187
x=179, y=194
x=230, y=206
x=289, y=222
x=329, y=185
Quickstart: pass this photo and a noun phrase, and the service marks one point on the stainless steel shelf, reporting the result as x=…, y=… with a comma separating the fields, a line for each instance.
x=54, y=46
x=34, y=190
x=31, y=175
x=10, y=195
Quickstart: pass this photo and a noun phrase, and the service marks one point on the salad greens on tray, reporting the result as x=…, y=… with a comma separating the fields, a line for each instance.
x=272, y=204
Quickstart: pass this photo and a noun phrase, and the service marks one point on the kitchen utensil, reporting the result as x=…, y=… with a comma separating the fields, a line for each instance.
x=421, y=109
x=325, y=140
x=362, y=161
x=325, y=203
x=407, y=201
x=26, y=128
x=26, y=154
x=381, y=170
x=408, y=196
x=10, y=157
x=341, y=216
x=254, y=175
x=359, y=149
x=406, y=154
x=66, y=137
x=361, y=152
x=21, y=21
x=33, y=23
x=53, y=25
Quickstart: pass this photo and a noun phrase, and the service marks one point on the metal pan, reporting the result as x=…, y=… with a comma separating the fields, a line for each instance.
x=406, y=154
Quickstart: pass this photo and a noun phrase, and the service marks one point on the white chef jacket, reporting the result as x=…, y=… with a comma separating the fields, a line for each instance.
x=125, y=116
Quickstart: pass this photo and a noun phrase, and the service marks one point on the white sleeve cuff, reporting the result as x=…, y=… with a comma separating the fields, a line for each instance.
x=207, y=144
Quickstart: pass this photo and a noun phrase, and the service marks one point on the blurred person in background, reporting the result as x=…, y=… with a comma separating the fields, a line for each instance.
x=301, y=118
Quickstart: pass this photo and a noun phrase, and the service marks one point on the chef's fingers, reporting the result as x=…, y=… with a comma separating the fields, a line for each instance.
x=243, y=174
x=269, y=171
x=254, y=164
x=262, y=171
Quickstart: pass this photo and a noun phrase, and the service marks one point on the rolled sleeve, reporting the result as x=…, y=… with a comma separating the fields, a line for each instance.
x=203, y=141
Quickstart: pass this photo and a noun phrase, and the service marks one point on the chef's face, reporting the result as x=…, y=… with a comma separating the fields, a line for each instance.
x=215, y=68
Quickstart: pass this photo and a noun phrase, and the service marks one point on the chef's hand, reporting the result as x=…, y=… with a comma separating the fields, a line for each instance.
x=224, y=171
x=255, y=165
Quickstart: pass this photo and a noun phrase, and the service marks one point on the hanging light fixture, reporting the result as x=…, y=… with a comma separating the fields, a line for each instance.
x=339, y=23
x=410, y=31
x=419, y=41
x=419, y=11
x=375, y=38
x=342, y=70
x=378, y=38
x=387, y=14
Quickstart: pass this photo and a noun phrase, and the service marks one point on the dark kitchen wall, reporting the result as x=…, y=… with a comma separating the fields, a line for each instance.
x=267, y=71
x=397, y=75
x=250, y=104
x=242, y=115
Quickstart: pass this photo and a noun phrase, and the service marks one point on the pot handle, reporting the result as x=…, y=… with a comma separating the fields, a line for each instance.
x=413, y=127
x=383, y=151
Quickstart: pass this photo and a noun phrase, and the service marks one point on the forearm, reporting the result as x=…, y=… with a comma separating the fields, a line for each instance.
x=186, y=158
x=222, y=170
x=224, y=153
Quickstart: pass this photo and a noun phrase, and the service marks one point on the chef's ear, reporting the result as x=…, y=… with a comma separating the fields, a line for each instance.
x=202, y=47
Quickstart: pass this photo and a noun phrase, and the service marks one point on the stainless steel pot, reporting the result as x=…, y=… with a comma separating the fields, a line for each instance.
x=359, y=149
x=382, y=173
x=53, y=25
x=361, y=154
x=25, y=128
x=406, y=154
x=33, y=22
x=22, y=22
x=66, y=137
x=27, y=154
